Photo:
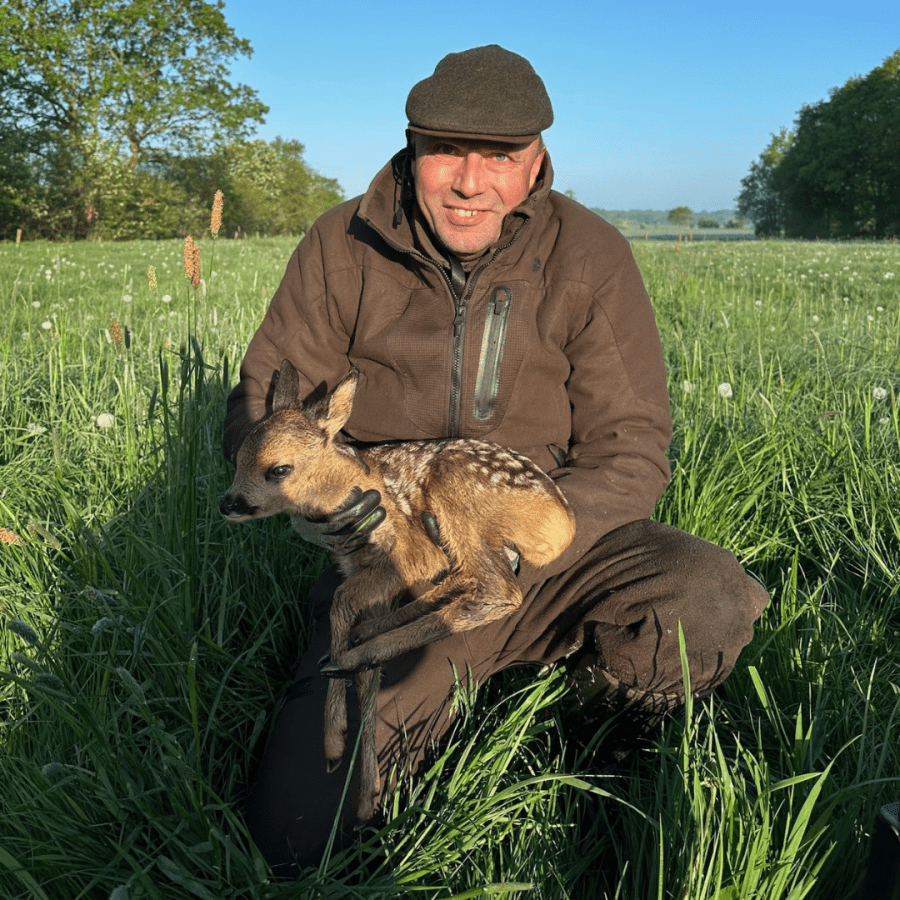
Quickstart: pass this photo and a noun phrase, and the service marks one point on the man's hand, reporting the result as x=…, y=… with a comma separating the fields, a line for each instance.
x=348, y=527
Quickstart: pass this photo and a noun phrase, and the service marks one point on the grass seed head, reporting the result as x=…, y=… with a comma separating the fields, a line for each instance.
x=24, y=631
x=215, y=219
x=9, y=537
x=192, y=261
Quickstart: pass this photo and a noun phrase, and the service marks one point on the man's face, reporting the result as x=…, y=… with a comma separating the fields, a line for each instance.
x=465, y=188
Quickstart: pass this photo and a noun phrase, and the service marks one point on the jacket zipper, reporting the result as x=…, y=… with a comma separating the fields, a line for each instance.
x=459, y=319
x=489, y=364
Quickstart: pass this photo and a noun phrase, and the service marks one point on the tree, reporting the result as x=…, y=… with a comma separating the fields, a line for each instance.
x=681, y=215
x=838, y=172
x=759, y=199
x=146, y=73
x=143, y=78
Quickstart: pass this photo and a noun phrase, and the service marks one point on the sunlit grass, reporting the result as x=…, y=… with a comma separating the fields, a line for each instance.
x=154, y=637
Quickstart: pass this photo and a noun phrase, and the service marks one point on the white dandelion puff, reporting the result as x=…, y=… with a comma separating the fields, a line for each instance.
x=879, y=393
x=687, y=386
x=725, y=391
x=104, y=420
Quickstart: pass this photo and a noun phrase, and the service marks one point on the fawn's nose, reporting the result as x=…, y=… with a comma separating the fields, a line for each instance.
x=230, y=505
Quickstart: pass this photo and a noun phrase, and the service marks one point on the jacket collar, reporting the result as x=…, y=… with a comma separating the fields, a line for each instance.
x=389, y=206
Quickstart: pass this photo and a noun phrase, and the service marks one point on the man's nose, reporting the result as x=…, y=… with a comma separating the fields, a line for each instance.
x=469, y=179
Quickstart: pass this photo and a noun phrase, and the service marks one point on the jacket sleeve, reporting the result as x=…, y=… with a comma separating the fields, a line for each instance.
x=302, y=324
x=616, y=467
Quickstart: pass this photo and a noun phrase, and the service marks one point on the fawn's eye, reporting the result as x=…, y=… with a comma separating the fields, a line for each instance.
x=276, y=473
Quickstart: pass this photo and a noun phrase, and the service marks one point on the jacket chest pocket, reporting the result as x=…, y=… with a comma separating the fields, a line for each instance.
x=493, y=346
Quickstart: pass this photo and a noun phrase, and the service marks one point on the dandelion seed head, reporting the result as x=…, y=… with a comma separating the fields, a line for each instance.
x=884, y=420
x=725, y=390
x=35, y=428
x=879, y=393
x=104, y=420
x=52, y=769
x=36, y=304
x=166, y=298
x=687, y=386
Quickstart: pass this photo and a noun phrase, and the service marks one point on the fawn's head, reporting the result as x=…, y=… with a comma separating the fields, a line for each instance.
x=291, y=462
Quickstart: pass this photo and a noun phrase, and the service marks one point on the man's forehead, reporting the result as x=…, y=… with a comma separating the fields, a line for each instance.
x=470, y=145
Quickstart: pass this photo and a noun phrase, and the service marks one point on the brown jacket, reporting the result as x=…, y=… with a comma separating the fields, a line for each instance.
x=551, y=349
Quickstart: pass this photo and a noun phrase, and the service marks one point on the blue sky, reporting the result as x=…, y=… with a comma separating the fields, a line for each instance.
x=657, y=104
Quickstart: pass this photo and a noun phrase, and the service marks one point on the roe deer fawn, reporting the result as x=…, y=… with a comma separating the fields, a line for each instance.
x=484, y=499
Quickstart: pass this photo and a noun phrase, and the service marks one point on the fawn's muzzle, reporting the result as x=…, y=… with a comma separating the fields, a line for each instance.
x=235, y=507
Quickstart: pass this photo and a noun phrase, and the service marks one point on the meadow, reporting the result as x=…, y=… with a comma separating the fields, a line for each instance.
x=144, y=640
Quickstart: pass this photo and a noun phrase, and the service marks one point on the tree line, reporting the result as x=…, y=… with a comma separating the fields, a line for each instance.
x=118, y=120
x=837, y=172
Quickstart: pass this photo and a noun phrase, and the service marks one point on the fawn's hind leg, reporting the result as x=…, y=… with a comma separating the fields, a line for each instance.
x=462, y=601
x=369, y=776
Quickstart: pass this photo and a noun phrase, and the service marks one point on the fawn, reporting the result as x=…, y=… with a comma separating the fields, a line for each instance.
x=484, y=499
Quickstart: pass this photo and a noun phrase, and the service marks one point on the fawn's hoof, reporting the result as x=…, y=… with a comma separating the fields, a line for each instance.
x=332, y=765
x=332, y=669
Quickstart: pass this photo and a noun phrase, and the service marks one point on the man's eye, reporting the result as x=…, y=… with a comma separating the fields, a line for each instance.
x=276, y=473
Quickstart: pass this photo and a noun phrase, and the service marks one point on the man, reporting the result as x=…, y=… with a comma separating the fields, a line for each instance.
x=477, y=302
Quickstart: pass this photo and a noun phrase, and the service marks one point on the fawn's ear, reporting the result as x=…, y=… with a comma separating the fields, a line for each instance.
x=338, y=404
x=287, y=388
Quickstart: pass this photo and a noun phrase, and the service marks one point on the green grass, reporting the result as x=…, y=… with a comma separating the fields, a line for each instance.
x=143, y=639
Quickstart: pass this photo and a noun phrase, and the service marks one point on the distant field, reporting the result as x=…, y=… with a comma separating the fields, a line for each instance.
x=143, y=639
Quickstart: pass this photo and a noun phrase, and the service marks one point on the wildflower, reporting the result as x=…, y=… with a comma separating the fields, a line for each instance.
x=9, y=537
x=24, y=631
x=879, y=393
x=104, y=420
x=215, y=219
x=192, y=261
x=725, y=391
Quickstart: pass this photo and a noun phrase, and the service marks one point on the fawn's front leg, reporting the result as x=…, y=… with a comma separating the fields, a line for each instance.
x=367, y=592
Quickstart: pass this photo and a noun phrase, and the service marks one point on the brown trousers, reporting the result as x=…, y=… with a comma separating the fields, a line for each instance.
x=619, y=606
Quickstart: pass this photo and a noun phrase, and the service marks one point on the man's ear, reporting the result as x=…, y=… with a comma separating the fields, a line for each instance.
x=338, y=404
x=287, y=388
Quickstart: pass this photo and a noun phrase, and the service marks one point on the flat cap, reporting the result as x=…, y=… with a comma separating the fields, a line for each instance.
x=486, y=92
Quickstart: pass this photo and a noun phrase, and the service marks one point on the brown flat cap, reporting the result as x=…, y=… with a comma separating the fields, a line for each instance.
x=486, y=92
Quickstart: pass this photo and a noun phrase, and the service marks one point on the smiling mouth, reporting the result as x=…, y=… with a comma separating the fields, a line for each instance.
x=459, y=213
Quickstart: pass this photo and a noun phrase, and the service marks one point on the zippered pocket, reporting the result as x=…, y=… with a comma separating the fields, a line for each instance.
x=490, y=362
